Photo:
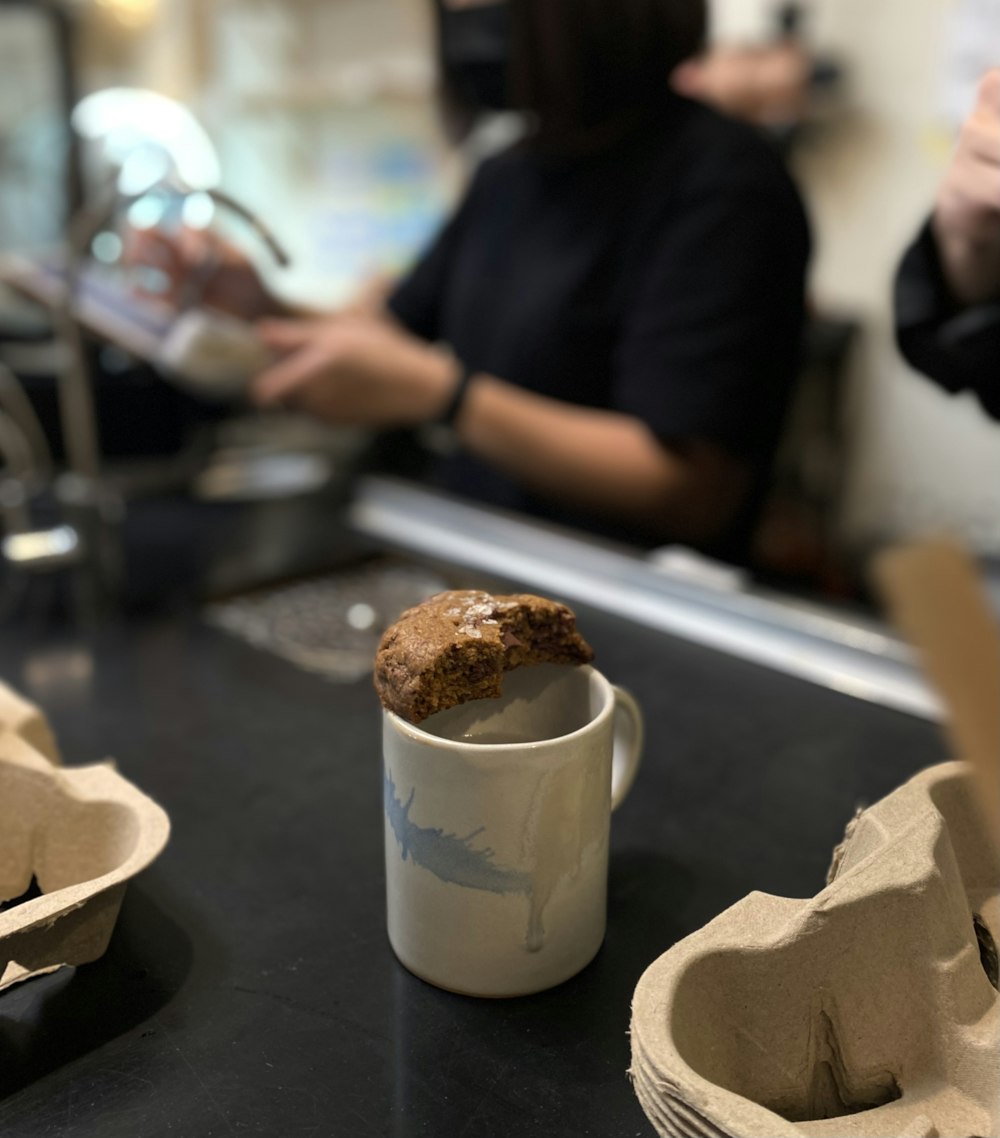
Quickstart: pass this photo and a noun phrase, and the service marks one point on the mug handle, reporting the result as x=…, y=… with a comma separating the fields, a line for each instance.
x=629, y=735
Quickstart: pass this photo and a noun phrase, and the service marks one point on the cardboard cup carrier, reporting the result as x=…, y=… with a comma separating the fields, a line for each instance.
x=80, y=834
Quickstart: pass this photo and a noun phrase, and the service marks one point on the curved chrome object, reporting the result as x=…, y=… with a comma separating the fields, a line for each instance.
x=274, y=246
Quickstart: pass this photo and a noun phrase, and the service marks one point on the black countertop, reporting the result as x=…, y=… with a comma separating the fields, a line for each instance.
x=249, y=987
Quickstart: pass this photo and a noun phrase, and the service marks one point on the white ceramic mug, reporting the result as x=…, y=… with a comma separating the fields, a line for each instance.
x=497, y=818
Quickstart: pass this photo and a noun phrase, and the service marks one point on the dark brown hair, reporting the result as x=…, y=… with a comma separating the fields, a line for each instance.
x=586, y=70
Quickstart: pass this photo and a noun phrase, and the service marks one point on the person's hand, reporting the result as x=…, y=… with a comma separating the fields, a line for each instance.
x=967, y=211
x=356, y=370
x=202, y=268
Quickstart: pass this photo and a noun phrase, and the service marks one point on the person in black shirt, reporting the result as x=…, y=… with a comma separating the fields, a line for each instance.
x=611, y=320
x=948, y=286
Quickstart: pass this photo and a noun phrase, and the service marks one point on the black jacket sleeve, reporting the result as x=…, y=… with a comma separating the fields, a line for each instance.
x=959, y=348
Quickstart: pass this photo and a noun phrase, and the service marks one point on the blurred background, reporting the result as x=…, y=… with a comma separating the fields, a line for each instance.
x=319, y=116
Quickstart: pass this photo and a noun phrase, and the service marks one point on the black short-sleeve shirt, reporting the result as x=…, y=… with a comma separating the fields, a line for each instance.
x=662, y=278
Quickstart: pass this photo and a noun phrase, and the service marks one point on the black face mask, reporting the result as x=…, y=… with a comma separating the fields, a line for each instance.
x=474, y=52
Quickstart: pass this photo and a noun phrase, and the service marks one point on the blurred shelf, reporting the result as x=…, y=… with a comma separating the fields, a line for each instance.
x=404, y=81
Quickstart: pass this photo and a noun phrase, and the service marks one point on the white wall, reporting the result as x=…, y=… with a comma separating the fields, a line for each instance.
x=740, y=21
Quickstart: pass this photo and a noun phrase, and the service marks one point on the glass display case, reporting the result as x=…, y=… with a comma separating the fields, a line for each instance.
x=37, y=174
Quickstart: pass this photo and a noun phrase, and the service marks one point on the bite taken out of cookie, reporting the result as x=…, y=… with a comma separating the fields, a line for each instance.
x=457, y=646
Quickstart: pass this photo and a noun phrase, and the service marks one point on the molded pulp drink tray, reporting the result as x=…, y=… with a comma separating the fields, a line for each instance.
x=867, y=1010
x=78, y=834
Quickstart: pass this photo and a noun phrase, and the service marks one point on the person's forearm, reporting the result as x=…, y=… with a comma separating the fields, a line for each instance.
x=599, y=461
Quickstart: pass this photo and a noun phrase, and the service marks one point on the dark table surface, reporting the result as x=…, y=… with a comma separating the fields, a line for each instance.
x=249, y=987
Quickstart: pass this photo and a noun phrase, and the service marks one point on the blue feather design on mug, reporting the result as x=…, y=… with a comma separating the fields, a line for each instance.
x=450, y=858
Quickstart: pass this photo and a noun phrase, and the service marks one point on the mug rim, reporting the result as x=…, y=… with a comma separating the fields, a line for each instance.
x=419, y=735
